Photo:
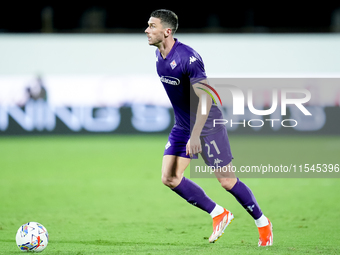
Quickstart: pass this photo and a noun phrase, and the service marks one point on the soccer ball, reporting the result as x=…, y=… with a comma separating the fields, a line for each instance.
x=32, y=236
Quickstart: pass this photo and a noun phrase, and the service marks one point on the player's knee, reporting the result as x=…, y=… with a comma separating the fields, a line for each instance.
x=170, y=181
x=228, y=183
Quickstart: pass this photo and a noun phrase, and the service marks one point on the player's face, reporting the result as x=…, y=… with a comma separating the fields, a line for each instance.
x=155, y=31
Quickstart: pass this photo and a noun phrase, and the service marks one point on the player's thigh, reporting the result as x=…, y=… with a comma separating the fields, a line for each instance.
x=173, y=168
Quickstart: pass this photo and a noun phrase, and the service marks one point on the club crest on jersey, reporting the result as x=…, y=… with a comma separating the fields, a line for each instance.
x=173, y=64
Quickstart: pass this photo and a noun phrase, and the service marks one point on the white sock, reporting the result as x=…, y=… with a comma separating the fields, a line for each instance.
x=262, y=221
x=217, y=211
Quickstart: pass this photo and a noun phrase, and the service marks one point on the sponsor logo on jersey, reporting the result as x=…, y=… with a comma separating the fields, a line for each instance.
x=192, y=59
x=170, y=80
x=173, y=64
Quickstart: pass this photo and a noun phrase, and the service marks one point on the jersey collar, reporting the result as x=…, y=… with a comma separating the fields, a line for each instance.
x=172, y=51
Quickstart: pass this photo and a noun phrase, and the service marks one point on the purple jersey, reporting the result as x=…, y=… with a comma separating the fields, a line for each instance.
x=182, y=65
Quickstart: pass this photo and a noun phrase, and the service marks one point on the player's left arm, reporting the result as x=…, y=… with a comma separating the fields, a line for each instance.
x=194, y=144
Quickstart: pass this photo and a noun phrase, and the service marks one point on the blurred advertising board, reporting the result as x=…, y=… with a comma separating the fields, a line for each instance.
x=87, y=104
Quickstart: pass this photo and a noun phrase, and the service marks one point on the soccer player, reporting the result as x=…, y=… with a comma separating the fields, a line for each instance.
x=181, y=70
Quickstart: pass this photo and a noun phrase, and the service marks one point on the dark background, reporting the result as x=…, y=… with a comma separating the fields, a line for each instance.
x=129, y=17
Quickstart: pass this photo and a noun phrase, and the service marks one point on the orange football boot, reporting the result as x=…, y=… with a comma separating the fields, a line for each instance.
x=266, y=235
x=220, y=222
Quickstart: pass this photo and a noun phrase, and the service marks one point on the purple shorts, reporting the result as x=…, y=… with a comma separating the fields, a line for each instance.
x=215, y=147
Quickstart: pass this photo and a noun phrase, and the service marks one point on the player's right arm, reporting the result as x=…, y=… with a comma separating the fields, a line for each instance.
x=194, y=144
x=194, y=68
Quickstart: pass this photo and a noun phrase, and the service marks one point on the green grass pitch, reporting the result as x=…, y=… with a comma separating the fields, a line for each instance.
x=103, y=195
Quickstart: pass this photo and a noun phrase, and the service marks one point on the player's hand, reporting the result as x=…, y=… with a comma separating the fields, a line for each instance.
x=193, y=146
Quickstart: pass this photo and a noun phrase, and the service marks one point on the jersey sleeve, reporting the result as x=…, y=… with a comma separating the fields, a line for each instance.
x=194, y=67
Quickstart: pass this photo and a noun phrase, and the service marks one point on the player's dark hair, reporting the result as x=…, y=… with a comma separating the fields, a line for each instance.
x=167, y=17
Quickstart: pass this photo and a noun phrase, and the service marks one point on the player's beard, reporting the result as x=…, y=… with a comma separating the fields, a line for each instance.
x=156, y=40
